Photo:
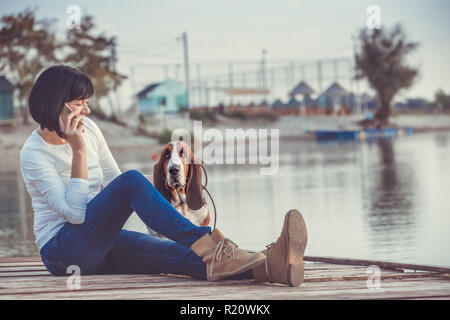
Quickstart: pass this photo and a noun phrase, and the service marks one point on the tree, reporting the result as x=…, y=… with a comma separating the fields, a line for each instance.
x=442, y=101
x=27, y=45
x=96, y=57
x=381, y=60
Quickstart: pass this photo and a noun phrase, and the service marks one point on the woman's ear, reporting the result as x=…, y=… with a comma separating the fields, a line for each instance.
x=194, y=190
x=160, y=178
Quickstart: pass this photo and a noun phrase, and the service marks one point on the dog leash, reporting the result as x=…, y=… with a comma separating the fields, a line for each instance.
x=212, y=200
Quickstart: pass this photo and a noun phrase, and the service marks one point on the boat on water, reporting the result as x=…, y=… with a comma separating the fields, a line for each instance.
x=362, y=134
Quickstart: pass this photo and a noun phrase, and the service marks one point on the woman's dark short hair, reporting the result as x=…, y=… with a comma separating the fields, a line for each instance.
x=55, y=86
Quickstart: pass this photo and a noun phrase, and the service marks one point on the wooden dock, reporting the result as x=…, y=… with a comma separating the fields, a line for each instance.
x=27, y=278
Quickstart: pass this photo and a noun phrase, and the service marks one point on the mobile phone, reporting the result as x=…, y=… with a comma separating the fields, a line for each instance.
x=65, y=103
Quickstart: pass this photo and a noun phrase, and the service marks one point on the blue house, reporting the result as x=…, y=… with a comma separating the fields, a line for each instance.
x=169, y=95
x=363, y=102
x=6, y=100
x=277, y=104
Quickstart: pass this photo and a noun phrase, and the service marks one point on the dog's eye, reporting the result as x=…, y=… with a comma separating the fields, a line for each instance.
x=167, y=156
x=182, y=153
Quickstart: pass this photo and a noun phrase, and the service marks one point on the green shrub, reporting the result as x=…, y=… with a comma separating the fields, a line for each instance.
x=241, y=115
x=203, y=115
x=165, y=136
x=269, y=116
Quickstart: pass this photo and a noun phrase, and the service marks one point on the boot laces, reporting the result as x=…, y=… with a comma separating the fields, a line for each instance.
x=220, y=250
x=268, y=247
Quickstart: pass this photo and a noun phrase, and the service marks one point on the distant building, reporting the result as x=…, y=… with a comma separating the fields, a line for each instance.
x=413, y=104
x=170, y=96
x=6, y=100
x=334, y=95
x=361, y=103
x=293, y=103
x=303, y=89
x=277, y=104
x=419, y=103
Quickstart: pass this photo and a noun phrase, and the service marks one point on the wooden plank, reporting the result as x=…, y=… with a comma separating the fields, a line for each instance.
x=309, y=266
x=247, y=291
x=381, y=264
x=19, y=264
x=22, y=268
x=444, y=297
x=102, y=285
x=20, y=259
x=130, y=282
x=322, y=275
x=319, y=274
x=234, y=293
x=308, y=259
x=161, y=277
x=39, y=281
x=24, y=274
x=29, y=280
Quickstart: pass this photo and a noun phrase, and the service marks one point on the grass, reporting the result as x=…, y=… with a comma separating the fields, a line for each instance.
x=211, y=116
x=203, y=115
x=244, y=116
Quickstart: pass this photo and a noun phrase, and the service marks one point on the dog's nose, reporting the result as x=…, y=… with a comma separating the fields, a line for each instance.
x=174, y=170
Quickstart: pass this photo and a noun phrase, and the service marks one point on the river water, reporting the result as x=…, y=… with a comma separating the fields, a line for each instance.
x=385, y=200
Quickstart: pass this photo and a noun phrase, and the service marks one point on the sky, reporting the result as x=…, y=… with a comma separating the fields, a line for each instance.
x=240, y=30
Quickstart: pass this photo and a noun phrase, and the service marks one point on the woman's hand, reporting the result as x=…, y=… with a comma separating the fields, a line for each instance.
x=73, y=130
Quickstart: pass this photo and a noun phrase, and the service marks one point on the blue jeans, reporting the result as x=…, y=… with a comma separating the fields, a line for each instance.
x=100, y=246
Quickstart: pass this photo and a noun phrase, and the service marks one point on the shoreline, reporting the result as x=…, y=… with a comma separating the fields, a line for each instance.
x=291, y=128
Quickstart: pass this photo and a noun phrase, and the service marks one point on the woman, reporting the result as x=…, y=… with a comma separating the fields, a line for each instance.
x=65, y=162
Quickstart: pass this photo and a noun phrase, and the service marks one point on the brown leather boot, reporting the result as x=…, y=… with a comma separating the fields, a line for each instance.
x=284, y=258
x=222, y=256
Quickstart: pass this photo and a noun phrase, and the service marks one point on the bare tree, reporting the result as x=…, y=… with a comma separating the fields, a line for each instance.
x=27, y=45
x=96, y=56
x=381, y=60
x=441, y=101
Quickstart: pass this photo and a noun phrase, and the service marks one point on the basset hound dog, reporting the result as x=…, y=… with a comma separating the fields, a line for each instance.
x=178, y=177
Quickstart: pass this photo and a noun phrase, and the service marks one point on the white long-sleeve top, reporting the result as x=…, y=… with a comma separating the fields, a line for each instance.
x=56, y=197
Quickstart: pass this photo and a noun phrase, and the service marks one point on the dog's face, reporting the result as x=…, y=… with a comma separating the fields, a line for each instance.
x=177, y=156
x=177, y=173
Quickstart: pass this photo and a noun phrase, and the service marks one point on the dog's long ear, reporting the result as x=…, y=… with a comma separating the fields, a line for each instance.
x=159, y=178
x=194, y=191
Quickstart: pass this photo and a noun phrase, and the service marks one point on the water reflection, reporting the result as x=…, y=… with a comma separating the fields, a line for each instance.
x=16, y=218
x=387, y=199
x=391, y=216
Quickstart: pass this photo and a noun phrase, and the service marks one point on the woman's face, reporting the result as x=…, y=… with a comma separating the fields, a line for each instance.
x=78, y=106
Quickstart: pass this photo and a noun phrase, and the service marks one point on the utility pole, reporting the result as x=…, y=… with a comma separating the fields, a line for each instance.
x=166, y=72
x=263, y=69
x=230, y=74
x=133, y=84
x=186, y=67
x=302, y=72
x=199, y=87
x=319, y=75
x=292, y=73
x=335, y=67
x=264, y=72
x=356, y=91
